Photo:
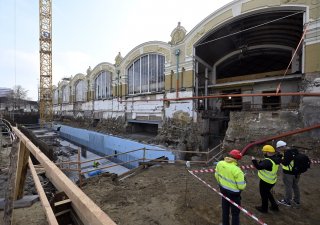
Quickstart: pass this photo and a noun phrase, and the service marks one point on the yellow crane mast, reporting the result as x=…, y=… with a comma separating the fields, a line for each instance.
x=45, y=97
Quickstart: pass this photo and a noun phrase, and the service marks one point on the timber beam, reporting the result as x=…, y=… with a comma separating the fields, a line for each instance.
x=86, y=209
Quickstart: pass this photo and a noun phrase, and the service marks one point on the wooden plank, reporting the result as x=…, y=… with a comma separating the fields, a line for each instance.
x=9, y=193
x=56, y=204
x=63, y=212
x=22, y=168
x=86, y=209
x=43, y=198
x=62, y=205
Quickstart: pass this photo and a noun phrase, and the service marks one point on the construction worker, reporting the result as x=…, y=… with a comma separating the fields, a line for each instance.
x=231, y=181
x=267, y=172
x=96, y=164
x=290, y=180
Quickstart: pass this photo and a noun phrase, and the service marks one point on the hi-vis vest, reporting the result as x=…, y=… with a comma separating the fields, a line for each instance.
x=288, y=167
x=269, y=176
x=230, y=176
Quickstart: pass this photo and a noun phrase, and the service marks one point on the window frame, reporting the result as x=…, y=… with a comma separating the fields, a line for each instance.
x=103, y=91
x=146, y=71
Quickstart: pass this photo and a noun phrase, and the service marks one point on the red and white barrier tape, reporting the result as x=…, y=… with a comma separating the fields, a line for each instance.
x=229, y=200
x=245, y=167
x=213, y=170
x=315, y=161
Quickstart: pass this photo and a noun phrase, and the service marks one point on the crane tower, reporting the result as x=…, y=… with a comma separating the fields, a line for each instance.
x=45, y=34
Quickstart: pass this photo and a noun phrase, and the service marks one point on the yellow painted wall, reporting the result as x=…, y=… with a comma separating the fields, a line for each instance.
x=123, y=89
x=185, y=80
x=312, y=58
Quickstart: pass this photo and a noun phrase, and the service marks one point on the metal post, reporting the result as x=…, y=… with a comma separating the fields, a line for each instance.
x=177, y=53
x=206, y=89
x=79, y=167
x=144, y=154
x=197, y=83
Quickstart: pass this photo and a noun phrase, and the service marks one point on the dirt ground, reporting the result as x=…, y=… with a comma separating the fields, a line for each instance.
x=168, y=194
x=33, y=215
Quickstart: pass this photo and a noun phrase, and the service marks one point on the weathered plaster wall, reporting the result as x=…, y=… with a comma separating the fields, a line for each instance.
x=246, y=127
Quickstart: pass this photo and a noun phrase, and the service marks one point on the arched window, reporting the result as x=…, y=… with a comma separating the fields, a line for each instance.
x=65, y=94
x=146, y=74
x=81, y=87
x=102, y=85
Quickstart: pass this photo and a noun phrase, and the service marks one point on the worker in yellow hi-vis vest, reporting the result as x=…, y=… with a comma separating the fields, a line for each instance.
x=231, y=181
x=96, y=164
x=267, y=172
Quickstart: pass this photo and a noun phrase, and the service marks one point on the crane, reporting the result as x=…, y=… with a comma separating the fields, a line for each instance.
x=45, y=34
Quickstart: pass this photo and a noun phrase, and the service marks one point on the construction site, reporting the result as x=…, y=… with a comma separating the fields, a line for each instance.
x=136, y=141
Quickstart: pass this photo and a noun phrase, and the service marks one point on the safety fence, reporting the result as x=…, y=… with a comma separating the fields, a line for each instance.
x=76, y=166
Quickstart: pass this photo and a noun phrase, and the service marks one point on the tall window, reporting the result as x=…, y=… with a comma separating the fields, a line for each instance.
x=55, y=96
x=102, y=85
x=80, y=91
x=65, y=94
x=146, y=74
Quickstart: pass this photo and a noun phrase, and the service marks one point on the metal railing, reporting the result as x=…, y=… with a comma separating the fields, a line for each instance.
x=208, y=155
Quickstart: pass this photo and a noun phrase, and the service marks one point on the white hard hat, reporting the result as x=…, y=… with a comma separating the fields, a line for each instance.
x=281, y=144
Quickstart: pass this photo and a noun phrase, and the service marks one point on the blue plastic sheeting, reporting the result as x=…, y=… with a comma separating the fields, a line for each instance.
x=109, y=145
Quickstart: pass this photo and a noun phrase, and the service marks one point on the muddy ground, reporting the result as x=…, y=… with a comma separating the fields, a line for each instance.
x=33, y=215
x=168, y=194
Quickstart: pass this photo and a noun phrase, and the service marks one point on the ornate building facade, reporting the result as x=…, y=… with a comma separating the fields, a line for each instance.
x=246, y=47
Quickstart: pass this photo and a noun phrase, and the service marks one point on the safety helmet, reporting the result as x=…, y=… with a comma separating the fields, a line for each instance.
x=236, y=154
x=268, y=148
x=281, y=144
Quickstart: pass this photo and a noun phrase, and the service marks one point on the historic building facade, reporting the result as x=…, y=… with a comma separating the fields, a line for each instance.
x=246, y=47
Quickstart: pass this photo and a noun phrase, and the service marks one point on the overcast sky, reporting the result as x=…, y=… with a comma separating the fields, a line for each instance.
x=86, y=33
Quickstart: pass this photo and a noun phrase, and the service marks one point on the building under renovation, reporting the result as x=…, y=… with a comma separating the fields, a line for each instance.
x=246, y=47
x=246, y=75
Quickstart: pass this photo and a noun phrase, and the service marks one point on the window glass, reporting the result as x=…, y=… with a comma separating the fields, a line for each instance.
x=55, y=96
x=146, y=74
x=137, y=76
x=130, y=76
x=80, y=91
x=65, y=94
x=103, y=85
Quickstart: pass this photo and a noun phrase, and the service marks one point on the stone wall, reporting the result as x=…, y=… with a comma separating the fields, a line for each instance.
x=247, y=127
x=181, y=133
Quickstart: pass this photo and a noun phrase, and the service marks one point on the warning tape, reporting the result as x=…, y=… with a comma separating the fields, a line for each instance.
x=229, y=200
x=246, y=167
x=315, y=161
x=213, y=170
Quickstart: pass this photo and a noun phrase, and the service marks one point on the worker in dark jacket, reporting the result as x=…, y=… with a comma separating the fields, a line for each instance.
x=231, y=181
x=290, y=179
x=267, y=172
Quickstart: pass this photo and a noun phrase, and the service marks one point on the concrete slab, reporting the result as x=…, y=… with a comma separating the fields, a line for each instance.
x=26, y=201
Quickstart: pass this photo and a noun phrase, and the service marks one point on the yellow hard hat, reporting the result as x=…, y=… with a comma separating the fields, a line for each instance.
x=268, y=148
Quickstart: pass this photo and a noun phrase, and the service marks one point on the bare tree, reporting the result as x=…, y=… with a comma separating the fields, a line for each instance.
x=18, y=95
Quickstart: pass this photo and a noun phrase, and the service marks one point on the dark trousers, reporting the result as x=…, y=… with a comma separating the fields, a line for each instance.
x=265, y=193
x=236, y=197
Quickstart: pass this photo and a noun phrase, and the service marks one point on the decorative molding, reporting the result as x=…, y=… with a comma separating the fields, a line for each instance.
x=178, y=34
x=118, y=59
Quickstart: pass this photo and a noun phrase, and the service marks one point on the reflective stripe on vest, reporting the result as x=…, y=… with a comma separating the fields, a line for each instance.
x=269, y=176
x=288, y=167
x=231, y=182
x=225, y=176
